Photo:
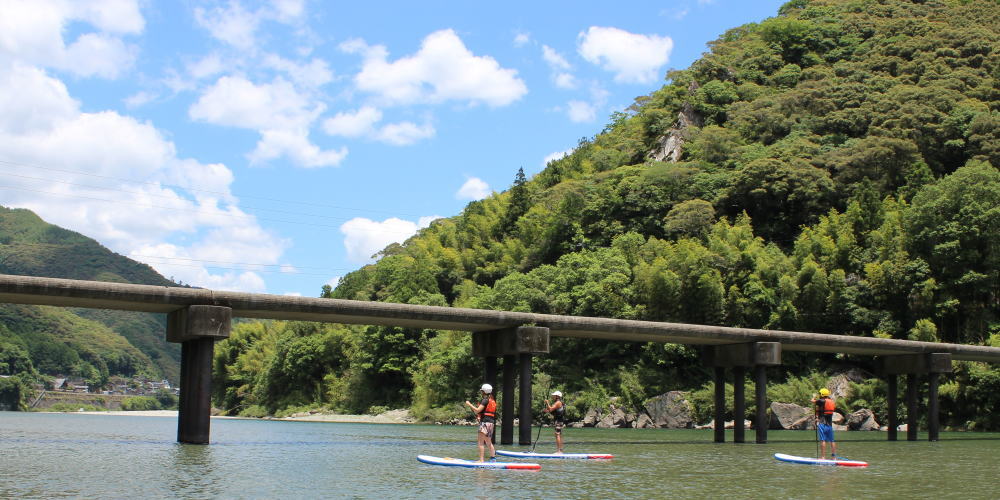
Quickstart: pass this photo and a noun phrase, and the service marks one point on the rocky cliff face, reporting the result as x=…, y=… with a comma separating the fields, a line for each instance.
x=670, y=146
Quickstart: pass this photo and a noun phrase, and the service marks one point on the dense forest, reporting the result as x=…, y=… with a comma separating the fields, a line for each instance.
x=88, y=343
x=832, y=169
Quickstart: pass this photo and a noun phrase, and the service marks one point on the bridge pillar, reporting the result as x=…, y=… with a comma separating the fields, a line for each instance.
x=507, y=412
x=196, y=328
x=739, y=404
x=892, y=400
x=490, y=376
x=758, y=355
x=522, y=342
x=912, y=365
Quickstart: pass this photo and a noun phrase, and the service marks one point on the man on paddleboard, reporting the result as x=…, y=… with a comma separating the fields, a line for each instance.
x=486, y=414
x=558, y=411
x=824, y=421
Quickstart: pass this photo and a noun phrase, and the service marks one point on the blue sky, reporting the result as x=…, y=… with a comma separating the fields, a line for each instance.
x=274, y=146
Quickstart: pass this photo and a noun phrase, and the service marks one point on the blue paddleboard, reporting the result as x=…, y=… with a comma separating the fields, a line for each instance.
x=819, y=461
x=458, y=462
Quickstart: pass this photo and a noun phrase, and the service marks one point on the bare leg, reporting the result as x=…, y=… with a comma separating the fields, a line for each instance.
x=822, y=449
x=559, y=442
x=489, y=441
x=481, y=444
x=833, y=445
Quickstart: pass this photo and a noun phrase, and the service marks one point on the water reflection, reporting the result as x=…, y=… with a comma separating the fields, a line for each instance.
x=190, y=472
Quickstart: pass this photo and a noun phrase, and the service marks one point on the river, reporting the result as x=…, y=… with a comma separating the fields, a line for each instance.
x=65, y=455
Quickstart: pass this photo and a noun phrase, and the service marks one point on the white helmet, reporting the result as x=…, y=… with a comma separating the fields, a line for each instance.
x=487, y=388
x=557, y=394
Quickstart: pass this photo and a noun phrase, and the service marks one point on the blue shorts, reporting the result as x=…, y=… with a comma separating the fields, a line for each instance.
x=825, y=432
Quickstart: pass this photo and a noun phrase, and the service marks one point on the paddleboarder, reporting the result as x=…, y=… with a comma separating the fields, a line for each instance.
x=824, y=421
x=486, y=414
x=558, y=411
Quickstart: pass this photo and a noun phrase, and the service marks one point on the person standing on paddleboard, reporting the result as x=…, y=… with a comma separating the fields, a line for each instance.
x=486, y=414
x=558, y=411
x=824, y=421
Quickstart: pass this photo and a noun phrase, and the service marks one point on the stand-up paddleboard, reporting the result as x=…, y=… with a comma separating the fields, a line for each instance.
x=819, y=461
x=458, y=462
x=525, y=454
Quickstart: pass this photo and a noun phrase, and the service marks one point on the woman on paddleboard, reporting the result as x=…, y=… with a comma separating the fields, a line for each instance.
x=558, y=411
x=486, y=414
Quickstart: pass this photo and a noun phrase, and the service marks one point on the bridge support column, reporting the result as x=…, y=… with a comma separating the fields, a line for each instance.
x=507, y=412
x=739, y=404
x=760, y=388
x=196, y=328
x=912, y=365
x=490, y=376
x=720, y=404
x=893, y=402
x=521, y=342
x=758, y=355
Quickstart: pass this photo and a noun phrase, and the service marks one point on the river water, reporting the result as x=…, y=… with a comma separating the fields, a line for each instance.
x=65, y=455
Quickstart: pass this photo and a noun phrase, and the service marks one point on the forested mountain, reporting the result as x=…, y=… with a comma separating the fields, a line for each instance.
x=832, y=169
x=90, y=343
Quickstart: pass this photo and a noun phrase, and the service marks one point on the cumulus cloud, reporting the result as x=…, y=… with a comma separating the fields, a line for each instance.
x=555, y=156
x=33, y=32
x=71, y=167
x=362, y=123
x=581, y=111
x=554, y=58
x=442, y=70
x=473, y=189
x=277, y=110
x=633, y=58
x=363, y=237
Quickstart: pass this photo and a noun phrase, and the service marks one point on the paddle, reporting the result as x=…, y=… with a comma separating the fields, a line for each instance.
x=817, y=425
x=537, y=435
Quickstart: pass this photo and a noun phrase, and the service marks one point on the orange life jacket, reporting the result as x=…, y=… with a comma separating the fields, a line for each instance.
x=491, y=408
x=828, y=406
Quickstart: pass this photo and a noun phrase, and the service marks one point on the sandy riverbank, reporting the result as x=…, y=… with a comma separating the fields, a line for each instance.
x=389, y=417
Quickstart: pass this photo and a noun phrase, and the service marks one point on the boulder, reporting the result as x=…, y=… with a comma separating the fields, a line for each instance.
x=790, y=416
x=731, y=424
x=616, y=418
x=840, y=385
x=670, y=411
x=591, y=418
x=862, y=420
x=709, y=425
x=838, y=419
x=644, y=422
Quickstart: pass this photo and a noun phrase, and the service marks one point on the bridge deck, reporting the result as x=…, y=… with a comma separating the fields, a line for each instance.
x=158, y=299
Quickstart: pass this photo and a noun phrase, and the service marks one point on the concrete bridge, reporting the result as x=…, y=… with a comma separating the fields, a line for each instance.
x=196, y=318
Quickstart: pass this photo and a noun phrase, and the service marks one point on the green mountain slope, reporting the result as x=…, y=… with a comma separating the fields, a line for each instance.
x=832, y=169
x=123, y=342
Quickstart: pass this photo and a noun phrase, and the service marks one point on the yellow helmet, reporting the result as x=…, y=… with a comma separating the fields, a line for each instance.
x=824, y=392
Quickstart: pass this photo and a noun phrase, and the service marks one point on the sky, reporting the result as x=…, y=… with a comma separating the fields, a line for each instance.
x=275, y=146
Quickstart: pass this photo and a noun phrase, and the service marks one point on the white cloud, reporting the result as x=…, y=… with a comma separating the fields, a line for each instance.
x=632, y=57
x=334, y=281
x=405, y=133
x=360, y=123
x=521, y=39
x=44, y=129
x=139, y=99
x=581, y=112
x=554, y=58
x=293, y=294
x=314, y=74
x=206, y=67
x=363, y=237
x=473, y=189
x=565, y=80
x=555, y=156
x=232, y=24
x=33, y=32
x=442, y=70
x=294, y=144
x=277, y=110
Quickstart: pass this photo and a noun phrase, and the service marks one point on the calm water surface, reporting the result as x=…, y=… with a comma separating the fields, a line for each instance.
x=66, y=455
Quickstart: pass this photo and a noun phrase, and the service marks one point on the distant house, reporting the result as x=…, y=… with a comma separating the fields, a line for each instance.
x=59, y=384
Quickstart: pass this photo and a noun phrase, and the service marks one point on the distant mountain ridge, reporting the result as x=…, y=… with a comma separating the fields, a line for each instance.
x=71, y=339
